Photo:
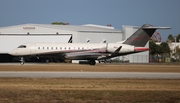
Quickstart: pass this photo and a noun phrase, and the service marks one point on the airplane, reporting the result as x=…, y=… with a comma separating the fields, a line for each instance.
x=88, y=51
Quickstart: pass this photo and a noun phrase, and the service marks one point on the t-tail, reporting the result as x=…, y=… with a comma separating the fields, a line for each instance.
x=142, y=35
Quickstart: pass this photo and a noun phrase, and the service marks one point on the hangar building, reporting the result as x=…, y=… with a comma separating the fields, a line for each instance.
x=13, y=36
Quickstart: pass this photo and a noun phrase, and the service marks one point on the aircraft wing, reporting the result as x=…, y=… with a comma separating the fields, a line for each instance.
x=76, y=54
x=96, y=54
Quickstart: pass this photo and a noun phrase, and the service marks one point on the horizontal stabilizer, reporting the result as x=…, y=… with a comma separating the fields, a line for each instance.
x=155, y=27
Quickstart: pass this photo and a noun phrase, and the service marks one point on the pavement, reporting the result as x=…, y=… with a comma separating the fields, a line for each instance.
x=130, y=75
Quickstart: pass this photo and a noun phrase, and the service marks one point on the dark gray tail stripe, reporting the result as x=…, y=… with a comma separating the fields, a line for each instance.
x=141, y=36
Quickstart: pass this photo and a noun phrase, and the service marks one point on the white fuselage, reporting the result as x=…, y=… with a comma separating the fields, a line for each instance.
x=48, y=48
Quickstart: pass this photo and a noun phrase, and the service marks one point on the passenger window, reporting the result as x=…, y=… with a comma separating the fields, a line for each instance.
x=47, y=47
x=65, y=48
x=60, y=48
x=56, y=48
x=69, y=48
x=38, y=47
x=43, y=47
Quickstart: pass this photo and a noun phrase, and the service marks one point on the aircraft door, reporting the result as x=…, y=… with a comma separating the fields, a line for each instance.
x=33, y=49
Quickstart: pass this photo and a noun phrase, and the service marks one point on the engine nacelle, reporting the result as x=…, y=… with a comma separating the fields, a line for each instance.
x=119, y=48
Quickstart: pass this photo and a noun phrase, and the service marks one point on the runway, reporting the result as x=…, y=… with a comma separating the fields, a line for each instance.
x=130, y=75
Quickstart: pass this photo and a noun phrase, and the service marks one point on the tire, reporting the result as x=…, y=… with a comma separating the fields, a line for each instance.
x=92, y=62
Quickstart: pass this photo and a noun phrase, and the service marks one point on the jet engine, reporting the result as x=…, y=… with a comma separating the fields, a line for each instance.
x=119, y=48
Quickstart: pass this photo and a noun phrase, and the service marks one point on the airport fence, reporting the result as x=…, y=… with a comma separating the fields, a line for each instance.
x=145, y=59
x=165, y=59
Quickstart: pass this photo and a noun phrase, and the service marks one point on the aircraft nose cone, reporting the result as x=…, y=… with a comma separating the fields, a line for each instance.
x=13, y=52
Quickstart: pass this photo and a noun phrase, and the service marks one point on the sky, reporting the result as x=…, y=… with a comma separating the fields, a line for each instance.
x=100, y=12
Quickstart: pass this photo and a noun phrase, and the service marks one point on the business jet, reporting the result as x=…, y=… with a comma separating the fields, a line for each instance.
x=88, y=51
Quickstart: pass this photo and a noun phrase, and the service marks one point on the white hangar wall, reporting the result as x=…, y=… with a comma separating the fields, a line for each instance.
x=33, y=29
x=83, y=37
x=14, y=36
x=142, y=57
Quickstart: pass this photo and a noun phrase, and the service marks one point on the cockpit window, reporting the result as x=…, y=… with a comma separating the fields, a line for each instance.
x=22, y=46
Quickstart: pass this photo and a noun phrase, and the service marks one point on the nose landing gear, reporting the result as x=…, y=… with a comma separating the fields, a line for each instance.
x=22, y=60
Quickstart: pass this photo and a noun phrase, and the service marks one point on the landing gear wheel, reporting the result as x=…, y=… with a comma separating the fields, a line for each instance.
x=92, y=62
x=22, y=60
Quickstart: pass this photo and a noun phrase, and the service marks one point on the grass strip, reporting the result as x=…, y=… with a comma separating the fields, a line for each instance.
x=69, y=90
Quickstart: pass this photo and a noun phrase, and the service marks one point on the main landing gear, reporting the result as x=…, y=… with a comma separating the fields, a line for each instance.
x=92, y=62
x=22, y=60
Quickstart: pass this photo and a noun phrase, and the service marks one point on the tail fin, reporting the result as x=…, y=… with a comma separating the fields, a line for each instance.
x=142, y=35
